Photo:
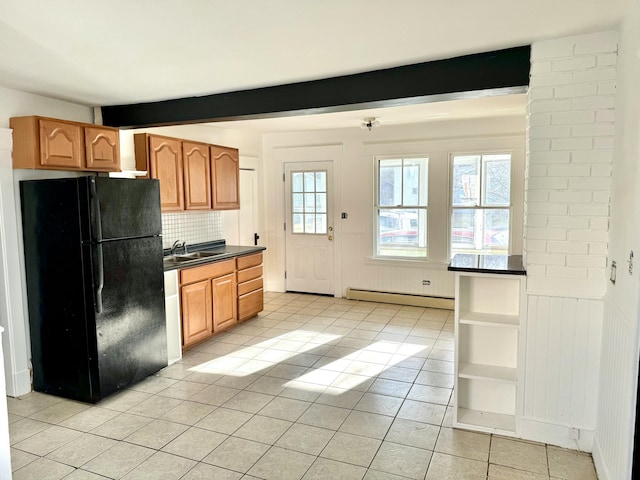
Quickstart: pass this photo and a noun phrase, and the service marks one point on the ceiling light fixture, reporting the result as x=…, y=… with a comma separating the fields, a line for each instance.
x=369, y=123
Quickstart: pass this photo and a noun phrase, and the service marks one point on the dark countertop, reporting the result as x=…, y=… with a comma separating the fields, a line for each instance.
x=219, y=247
x=500, y=264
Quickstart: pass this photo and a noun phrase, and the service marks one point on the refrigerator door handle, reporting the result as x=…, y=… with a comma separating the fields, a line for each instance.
x=100, y=277
x=95, y=203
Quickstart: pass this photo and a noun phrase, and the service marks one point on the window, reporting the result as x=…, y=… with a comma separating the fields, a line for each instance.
x=480, y=203
x=401, y=207
x=309, y=202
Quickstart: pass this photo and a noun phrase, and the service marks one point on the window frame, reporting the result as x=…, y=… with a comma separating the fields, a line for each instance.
x=377, y=207
x=513, y=191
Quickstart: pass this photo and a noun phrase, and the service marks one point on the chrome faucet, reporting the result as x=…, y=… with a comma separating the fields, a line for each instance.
x=176, y=245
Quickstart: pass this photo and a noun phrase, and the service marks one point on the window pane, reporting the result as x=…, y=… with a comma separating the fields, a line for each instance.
x=309, y=202
x=296, y=182
x=309, y=182
x=466, y=185
x=321, y=223
x=309, y=223
x=463, y=227
x=298, y=226
x=390, y=179
x=480, y=230
x=297, y=203
x=321, y=181
x=496, y=233
x=402, y=232
x=497, y=180
x=415, y=182
x=321, y=202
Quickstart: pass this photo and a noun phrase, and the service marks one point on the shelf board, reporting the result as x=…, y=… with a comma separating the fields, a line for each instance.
x=489, y=319
x=486, y=420
x=487, y=372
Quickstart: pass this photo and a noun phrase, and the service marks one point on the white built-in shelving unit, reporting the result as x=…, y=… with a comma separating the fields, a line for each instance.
x=489, y=331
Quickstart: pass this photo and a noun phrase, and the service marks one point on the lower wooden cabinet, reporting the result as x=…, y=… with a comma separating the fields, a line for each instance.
x=217, y=295
x=197, y=313
x=250, y=286
x=224, y=302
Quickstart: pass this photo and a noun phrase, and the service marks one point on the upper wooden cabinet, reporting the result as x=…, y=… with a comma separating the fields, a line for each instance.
x=47, y=143
x=164, y=162
x=102, y=148
x=193, y=176
x=197, y=179
x=225, y=178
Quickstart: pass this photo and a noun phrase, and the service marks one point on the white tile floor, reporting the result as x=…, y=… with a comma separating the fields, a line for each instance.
x=313, y=388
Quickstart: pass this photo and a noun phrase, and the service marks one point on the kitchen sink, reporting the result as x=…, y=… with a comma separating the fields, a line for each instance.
x=194, y=255
x=186, y=257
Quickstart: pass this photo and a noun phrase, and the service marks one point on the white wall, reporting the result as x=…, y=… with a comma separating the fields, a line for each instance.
x=354, y=174
x=613, y=447
x=569, y=159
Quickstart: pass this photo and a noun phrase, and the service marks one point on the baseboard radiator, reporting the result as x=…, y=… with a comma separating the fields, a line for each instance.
x=400, y=298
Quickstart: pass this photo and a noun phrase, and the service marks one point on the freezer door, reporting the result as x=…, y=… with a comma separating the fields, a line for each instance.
x=121, y=208
x=130, y=322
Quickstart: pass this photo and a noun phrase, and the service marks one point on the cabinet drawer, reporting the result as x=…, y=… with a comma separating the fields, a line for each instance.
x=210, y=270
x=249, y=261
x=249, y=286
x=249, y=274
x=250, y=304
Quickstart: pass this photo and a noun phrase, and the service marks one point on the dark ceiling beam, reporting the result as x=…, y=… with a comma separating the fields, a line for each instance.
x=490, y=73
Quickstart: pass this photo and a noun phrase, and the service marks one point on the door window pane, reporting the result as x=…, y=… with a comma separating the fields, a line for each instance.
x=297, y=223
x=309, y=202
x=296, y=182
x=297, y=203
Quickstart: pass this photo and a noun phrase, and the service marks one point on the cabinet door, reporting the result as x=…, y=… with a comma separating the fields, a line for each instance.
x=165, y=162
x=60, y=145
x=224, y=302
x=102, y=149
x=225, y=178
x=250, y=304
x=197, y=176
x=196, y=301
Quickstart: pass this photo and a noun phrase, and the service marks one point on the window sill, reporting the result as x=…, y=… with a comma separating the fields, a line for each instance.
x=406, y=263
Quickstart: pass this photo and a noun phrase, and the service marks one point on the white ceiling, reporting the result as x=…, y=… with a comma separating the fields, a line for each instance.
x=130, y=51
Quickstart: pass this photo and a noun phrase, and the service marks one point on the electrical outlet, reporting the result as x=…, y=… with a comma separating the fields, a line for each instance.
x=426, y=282
x=574, y=433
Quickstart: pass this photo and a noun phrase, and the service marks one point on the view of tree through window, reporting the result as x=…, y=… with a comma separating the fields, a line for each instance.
x=401, y=210
x=481, y=203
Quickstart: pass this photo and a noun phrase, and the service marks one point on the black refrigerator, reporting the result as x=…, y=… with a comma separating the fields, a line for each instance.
x=95, y=285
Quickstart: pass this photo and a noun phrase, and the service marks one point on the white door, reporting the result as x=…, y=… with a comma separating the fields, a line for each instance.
x=309, y=228
x=248, y=221
x=240, y=226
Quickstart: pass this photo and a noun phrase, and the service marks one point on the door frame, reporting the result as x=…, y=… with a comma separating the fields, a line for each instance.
x=309, y=154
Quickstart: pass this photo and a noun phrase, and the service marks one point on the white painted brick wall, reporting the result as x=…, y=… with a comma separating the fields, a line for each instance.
x=569, y=157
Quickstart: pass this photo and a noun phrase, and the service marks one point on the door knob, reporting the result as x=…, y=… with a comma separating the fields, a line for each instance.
x=330, y=238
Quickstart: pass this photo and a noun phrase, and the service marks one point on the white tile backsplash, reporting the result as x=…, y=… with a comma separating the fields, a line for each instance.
x=191, y=227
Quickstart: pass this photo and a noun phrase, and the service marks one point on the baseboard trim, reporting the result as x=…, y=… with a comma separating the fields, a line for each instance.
x=556, y=434
x=400, y=298
x=598, y=460
x=19, y=384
